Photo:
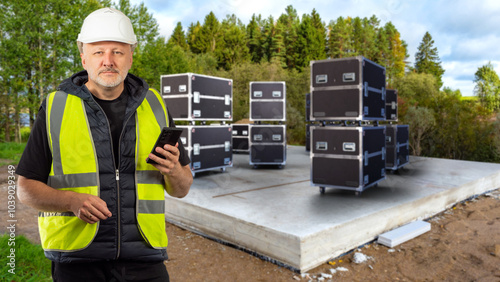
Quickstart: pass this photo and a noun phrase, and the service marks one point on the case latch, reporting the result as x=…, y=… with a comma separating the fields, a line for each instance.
x=321, y=146
x=348, y=77
x=321, y=78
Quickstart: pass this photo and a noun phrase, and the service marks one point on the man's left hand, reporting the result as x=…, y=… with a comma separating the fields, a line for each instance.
x=170, y=163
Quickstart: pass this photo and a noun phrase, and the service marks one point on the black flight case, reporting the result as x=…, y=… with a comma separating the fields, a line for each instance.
x=267, y=101
x=347, y=157
x=241, y=138
x=267, y=145
x=391, y=104
x=347, y=89
x=397, y=146
x=209, y=146
x=308, y=122
x=192, y=97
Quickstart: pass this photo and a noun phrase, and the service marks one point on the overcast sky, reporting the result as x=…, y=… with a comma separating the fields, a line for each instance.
x=465, y=32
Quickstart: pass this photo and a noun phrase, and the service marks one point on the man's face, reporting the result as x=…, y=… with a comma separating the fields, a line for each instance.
x=107, y=62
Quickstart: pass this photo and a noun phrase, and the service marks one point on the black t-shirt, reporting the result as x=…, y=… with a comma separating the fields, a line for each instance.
x=115, y=110
x=36, y=160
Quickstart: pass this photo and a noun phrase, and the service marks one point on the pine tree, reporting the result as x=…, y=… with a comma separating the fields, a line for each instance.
x=205, y=38
x=427, y=59
x=319, y=25
x=339, y=38
x=193, y=38
x=393, y=52
x=371, y=27
x=278, y=47
x=310, y=44
x=232, y=47
x=178, y=37
x=254, y=38
x=273, y=43
x=358, y=36
x=290, y=22
x=266, y=42
x=210, y=33
x=363, y=37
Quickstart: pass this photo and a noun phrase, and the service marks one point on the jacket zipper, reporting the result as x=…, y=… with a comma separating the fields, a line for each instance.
x=117, y=179
x=118, y=186
x=118, y=216
x=117, y=174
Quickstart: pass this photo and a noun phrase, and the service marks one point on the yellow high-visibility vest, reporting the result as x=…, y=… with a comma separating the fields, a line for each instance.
x=77, y=170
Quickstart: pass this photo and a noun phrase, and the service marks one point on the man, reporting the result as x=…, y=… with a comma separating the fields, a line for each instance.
x=84, y=167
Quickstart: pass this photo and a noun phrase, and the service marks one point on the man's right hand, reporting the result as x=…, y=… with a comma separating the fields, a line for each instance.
x=89, y=208
x=41, y=197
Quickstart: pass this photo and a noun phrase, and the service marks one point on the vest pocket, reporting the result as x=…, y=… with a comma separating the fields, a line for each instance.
x=65, y=232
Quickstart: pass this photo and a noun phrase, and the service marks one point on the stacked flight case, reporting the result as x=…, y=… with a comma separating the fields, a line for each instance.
x=196, y=97
x=241, y=139
x=267, y=142
x=200, y=98
x=267, y=101
x=348, y=157
x=308, y=122
x=345, y=153
x=347, y=89
x=398, y=135
x=209, y=146
x=397, y=146
x=391, y=104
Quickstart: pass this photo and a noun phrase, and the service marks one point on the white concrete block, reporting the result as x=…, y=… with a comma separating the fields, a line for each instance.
x=404, y=233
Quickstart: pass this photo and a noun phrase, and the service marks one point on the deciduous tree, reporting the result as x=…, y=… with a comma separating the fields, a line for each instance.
x=487, y=87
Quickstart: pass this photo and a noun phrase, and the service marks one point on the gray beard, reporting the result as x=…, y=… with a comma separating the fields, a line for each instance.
x=100, y=81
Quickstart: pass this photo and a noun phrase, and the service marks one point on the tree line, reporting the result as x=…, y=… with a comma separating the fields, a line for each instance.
x=38, y=50
x=293, y=41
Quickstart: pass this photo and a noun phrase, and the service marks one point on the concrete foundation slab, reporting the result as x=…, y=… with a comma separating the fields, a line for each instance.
x=276, y=213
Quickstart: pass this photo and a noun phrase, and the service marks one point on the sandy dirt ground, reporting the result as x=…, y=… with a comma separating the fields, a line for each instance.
x=463, y=245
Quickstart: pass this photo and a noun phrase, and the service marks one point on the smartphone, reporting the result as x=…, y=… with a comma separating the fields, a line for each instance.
x=168, y=135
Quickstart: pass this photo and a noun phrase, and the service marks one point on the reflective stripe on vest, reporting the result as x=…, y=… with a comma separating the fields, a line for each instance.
x=76, y=170
x=150, y=198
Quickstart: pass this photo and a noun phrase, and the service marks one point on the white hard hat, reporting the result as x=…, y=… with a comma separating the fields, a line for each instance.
x=106, y=24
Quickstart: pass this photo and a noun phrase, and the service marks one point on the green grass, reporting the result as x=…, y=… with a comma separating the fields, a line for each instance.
x=30, y=262
x=10, y=152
